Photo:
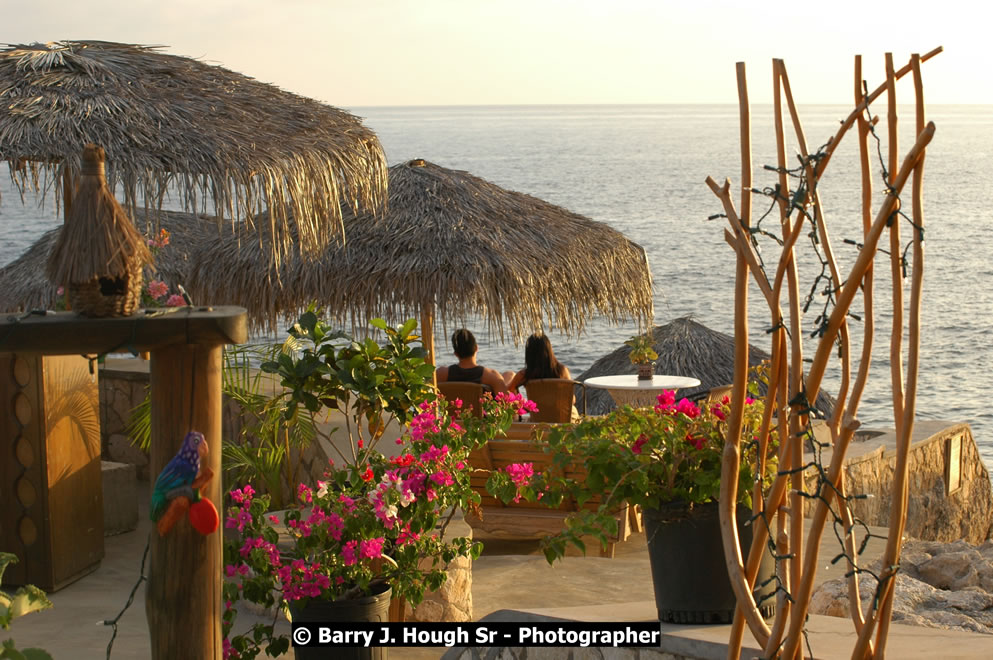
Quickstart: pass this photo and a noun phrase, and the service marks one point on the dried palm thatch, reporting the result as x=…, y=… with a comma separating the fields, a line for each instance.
x=450, y=242
x=685, y=348
x=171, y=123
x=99, y=239
x=24, y=284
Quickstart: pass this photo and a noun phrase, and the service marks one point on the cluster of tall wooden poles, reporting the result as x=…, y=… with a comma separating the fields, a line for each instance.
x=791, y=392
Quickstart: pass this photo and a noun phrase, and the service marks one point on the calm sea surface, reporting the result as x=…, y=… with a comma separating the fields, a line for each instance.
x=641, y=169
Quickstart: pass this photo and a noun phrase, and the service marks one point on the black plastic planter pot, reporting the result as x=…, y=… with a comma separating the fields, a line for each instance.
x=374, y=608
x=688, y=568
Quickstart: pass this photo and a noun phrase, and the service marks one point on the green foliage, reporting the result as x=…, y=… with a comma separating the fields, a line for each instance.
x=367, y=382
x=379, y=520
x=139, y=426
x=642, y=350
x=644, y=456
x=25, y=600
x=263, y=450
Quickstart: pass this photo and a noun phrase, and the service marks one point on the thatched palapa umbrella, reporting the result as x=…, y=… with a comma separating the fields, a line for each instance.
x=24, y=285
x=685, y=348
x=451, y=245
x=175, y=123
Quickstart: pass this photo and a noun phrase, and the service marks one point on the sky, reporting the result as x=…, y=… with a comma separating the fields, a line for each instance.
x=356, y=53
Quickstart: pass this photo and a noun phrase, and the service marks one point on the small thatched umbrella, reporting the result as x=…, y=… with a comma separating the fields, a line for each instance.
x=175, y=123
x=99, y=255
x=685, y=348
x=24, y=285
x=451, y=245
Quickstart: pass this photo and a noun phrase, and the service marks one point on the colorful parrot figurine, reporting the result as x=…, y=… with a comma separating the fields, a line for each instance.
x=177, y=486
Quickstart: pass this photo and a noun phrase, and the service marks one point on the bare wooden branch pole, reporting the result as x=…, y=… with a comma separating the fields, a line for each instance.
x=797, y=564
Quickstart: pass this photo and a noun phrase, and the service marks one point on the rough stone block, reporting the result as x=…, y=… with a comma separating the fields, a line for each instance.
x=120, y=498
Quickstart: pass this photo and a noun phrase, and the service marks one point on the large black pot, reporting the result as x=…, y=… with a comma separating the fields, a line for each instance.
x=374, y=608
x=688, y=568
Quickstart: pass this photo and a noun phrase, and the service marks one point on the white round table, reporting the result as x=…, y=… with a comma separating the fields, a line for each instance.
x=626, y=389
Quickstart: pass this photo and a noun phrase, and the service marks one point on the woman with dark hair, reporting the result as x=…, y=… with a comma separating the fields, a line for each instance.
x=466, y=369
x=539, y=362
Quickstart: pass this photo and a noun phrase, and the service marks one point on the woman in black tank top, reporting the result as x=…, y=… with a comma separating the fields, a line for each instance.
x=470, y=375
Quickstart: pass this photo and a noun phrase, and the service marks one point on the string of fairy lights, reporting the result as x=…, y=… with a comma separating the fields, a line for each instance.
x=822, y=287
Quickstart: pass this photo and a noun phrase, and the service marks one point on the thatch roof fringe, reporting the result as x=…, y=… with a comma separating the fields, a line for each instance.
x=449, y=240
x=170, y=122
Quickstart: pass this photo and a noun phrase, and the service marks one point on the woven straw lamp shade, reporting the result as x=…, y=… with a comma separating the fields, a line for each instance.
x=99, y=255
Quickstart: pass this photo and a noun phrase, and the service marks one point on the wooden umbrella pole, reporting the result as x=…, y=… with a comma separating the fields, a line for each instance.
x=427, y=336
x=68, y=190
x=913, y=354
x=803, y=590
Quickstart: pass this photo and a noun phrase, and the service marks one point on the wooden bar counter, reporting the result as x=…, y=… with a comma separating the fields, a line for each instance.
x=183, y=598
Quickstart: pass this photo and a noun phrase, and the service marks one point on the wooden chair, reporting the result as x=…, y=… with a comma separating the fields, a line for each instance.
x=531, y=520
x=713, y=395
x=470, y=393
x=554, y=398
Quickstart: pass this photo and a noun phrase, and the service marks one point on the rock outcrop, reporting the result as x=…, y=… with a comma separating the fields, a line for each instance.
x=940, y=585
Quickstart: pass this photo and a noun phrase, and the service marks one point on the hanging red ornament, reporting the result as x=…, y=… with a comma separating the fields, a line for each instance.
x=203, y=516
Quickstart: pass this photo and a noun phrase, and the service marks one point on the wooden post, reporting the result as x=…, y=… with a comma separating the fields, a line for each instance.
x=183, y=598
x=427, y=336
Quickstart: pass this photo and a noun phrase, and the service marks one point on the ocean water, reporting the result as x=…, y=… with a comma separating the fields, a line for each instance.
x=641, y=169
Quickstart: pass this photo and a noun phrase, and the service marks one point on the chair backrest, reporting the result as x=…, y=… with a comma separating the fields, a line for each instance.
x=716, y=394
x=554, y=398
x=470, y=393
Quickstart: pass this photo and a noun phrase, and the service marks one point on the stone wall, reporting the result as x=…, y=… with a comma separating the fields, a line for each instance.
x=122, y=387
x=453, y=601
x=933, y=513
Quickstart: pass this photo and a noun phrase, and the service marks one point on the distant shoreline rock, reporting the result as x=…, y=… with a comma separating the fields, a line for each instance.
x=940, y=585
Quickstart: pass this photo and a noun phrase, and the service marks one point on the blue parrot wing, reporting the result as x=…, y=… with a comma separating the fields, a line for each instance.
x=177, y=473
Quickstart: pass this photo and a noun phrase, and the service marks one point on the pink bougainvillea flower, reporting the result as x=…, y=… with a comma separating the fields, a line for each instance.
x=371, y=548
x=520, y=473
x=368, y=474
x=688, y=408
x=718, y=412
x=157, y=289
x=666, y=401
x=348, y=552
x=175, y=300
x=639, y=443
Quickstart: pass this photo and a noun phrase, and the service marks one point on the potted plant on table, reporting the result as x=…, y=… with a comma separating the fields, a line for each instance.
x=374, y=527
x=667, y=460
x=643, y=355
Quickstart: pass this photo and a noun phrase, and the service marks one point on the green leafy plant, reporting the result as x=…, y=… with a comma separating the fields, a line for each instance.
x=642, y=350
x=646, y=456
x=25, y=600
x=264, y=449
x=366, y=382
x=374, y=520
